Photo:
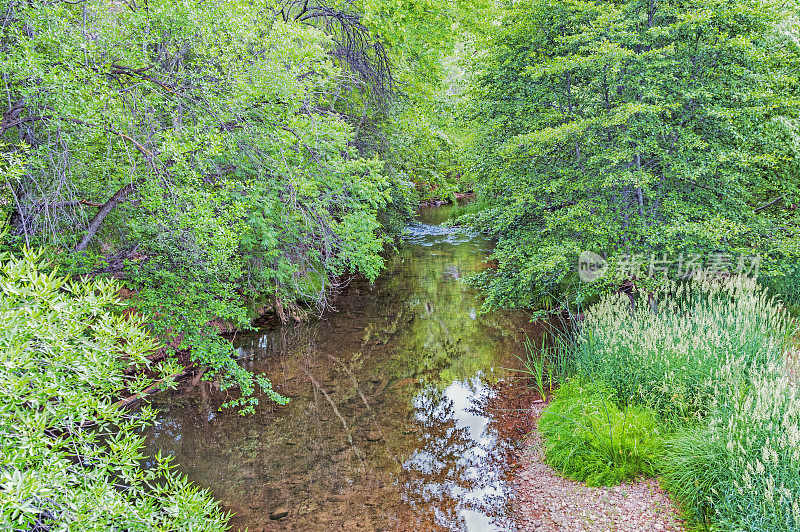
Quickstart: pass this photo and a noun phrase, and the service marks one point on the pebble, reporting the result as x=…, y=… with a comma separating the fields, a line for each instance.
x=374, y=436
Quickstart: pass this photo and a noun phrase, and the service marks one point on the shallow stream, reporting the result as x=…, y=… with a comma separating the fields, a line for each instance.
x=390, y=424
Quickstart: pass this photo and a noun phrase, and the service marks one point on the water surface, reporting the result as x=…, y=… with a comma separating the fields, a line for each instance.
x=388, y=427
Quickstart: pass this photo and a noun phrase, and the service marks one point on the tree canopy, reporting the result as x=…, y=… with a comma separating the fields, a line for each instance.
x=635, y=126
x=220, y=158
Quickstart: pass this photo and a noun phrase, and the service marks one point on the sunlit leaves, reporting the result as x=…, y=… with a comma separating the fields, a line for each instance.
x=70, y=457
x=627, y=127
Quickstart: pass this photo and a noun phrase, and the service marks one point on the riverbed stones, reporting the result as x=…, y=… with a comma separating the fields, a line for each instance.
x=374, y=435
x=279, y=513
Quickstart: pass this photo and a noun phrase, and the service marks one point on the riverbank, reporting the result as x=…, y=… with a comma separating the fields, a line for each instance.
x=548, y=502
x=691, y=394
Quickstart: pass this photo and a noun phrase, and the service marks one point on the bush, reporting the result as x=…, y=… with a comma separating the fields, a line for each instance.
x=589, y=438
x=785, y=286
x=677, y=359
x=70, y=459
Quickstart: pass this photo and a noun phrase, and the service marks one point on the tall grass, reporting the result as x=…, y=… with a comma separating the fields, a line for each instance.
x=546, y=367
x=709, y=360
x=760, y=426
x=741, y=470
x=676, y=359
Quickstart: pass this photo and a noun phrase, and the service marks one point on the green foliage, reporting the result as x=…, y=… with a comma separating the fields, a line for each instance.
x=422, y=134
x=760, y=427
x=690, y=469
x=213, y=155
x=785, y=286
x=740, y=470
x=703, y=337
x=549, y=366
x=70, y=457
x=589, y=438
x=422, y=151
x=712, y=360
x=224, y=140
x=470, y=208
x=632, y=126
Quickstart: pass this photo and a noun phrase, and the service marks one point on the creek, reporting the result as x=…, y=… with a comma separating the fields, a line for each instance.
x=392, y=422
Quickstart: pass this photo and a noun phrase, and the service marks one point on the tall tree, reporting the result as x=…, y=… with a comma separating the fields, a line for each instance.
x=634, y=126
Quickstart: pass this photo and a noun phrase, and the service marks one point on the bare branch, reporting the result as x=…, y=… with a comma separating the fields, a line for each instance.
x=118, y=197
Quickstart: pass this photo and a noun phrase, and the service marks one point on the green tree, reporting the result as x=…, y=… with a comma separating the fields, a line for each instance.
x=198, y=151
x=225, y=159
x=634, y=126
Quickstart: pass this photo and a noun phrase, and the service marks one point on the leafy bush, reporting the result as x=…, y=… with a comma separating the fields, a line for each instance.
x=785, y=286
x=584, y=138
x=677, y=359
x=591, y=439
x=219, y=141
x=70, y=459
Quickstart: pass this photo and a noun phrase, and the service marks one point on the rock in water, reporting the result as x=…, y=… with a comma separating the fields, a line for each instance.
x=279, y=513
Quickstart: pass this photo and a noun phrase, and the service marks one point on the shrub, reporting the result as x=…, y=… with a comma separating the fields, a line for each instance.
x=785, y=285
x=70, y=459
x=675, y=360
x=589, y=438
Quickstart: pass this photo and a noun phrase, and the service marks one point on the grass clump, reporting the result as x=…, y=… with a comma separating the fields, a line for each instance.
x=695, y=387
x=590, y=438
x=740, y=471
x=547, y=366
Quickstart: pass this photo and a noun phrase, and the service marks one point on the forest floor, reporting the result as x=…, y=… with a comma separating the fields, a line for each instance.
x=548, y=502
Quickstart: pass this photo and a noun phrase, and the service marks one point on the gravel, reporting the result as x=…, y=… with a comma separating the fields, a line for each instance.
x=546, y=501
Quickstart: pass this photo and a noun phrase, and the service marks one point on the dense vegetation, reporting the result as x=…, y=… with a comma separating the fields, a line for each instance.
x=702, y=392
x=595, y=438
x=184, y=168
x=70, y=457
x=633, y=126
x=652, y=132
x=223, y=160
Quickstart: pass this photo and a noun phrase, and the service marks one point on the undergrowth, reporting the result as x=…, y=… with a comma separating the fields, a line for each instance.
x=695, y=387
x=590, y=438
x=703, y=337
x=71, y=457
x=740, y=470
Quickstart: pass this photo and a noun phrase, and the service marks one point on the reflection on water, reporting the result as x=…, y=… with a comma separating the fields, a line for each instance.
x=458, y=462
x=387, y=427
